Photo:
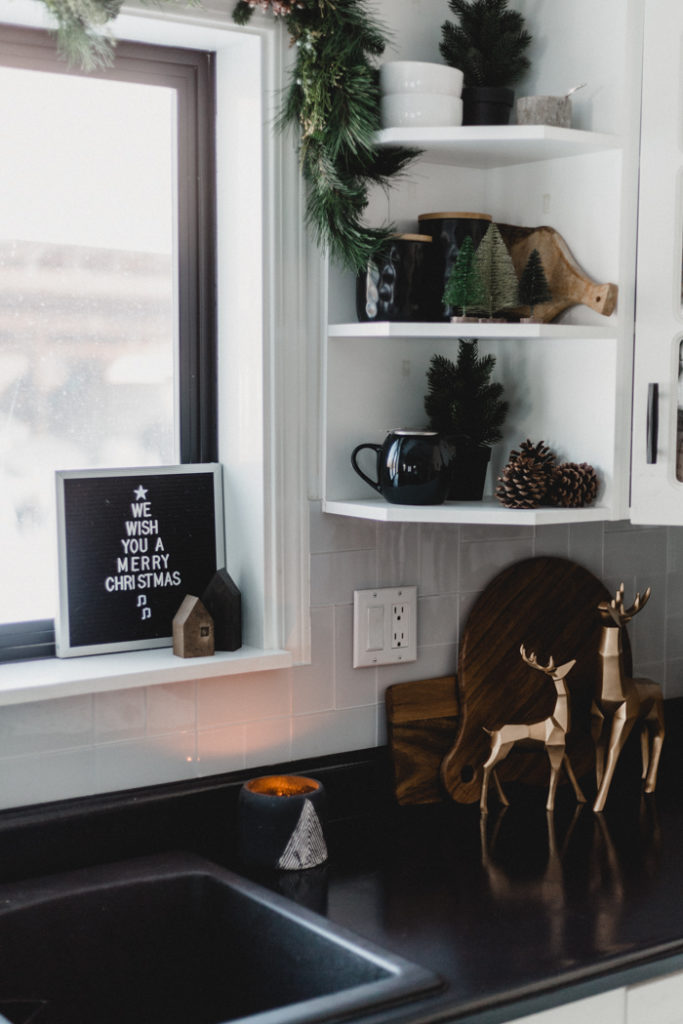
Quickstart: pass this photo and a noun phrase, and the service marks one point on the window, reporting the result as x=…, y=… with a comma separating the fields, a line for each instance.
x=107, y=306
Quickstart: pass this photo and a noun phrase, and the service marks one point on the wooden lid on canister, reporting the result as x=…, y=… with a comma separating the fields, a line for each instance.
x=454, y=216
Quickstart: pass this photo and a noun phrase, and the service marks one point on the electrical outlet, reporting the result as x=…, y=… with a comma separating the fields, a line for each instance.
x=400, y=625
x=384, y=626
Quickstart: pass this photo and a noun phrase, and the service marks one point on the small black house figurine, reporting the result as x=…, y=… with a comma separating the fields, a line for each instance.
x=223, y=601
x=193, y=630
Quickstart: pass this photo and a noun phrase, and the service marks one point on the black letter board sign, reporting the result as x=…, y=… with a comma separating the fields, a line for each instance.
x=132, y=544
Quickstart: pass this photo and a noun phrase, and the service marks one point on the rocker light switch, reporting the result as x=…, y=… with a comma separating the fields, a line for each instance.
x=384, y=626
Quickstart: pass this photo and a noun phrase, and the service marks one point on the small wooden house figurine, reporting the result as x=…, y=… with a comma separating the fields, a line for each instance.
x=193, y=632
x=224, y=603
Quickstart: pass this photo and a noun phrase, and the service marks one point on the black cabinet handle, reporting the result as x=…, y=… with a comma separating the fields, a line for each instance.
x=652, y=423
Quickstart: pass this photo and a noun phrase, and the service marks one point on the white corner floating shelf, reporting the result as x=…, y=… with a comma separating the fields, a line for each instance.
x=417, y=330
x=486, y=146
x=485, y=513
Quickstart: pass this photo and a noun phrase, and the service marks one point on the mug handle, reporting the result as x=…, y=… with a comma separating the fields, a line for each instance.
x=377, y=448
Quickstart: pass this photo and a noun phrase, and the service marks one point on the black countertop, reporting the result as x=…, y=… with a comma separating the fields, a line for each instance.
x=516, y=912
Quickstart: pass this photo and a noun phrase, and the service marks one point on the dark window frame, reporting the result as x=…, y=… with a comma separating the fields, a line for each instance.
x=192, y=74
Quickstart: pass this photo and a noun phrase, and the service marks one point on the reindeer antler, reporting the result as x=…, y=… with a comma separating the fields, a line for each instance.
x=625, y=615
x=533, y=661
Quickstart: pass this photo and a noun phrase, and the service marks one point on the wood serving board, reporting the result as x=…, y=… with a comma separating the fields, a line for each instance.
x=569, y=285
x=422, y=719
x=550, y=606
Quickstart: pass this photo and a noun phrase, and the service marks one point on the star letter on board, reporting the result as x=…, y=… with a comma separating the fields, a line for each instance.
x=140, y=493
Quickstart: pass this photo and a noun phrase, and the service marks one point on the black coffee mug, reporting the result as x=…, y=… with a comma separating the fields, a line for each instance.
x=412, y=467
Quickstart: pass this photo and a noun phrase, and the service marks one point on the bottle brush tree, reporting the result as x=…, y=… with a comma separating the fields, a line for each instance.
x=533, y=284
x=462, y=402
x=464, y=289
x=497, y=272
x=488, y=43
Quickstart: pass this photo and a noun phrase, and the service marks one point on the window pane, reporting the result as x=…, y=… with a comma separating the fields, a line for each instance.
x=88, y=301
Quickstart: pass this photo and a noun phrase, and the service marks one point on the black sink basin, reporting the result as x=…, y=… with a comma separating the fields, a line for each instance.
x=177, y=940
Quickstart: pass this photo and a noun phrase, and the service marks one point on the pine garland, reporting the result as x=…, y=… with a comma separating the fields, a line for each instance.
x=333, y=101
x=80, y=40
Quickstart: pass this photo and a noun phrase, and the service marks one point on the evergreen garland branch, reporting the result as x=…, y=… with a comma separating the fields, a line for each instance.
x=332, y=100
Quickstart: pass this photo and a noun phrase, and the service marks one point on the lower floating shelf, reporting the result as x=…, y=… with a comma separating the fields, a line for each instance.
x=488, y=511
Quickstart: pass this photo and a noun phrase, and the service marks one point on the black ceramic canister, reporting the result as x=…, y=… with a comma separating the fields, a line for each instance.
x=394, y=287
x=281, y=822
x=448, y=231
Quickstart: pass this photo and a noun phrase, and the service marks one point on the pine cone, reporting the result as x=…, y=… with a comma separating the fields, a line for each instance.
x=522, y=484
x=573, y=485
x=525, y=480
x=540, y=453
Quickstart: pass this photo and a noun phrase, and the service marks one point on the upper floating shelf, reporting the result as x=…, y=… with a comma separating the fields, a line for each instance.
x=485, y=513
x=406, y=329
x=487, y=146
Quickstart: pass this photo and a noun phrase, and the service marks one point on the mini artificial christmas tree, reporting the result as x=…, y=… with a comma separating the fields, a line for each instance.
x=533, y=284
x=488, y=43
x=497, y=273
x=464, y=289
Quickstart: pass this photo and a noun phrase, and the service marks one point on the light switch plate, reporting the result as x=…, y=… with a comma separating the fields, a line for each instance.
x=384, y=626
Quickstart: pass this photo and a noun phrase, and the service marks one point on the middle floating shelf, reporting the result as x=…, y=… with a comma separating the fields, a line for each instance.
x=409, y=329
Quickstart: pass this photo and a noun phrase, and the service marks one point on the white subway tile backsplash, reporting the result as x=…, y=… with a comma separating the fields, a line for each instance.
x=221, y=750
x=334, y=731
x=552, y=540
x=68, y=773
x=334, y=577
x=120, y=715
x=643, y=553
x=268, y=741
x=439, y=566
x=171, y=708
x=339, y=533
x=673, y=683
x=146, y=762
x=313, y=685
x=480, y=561
x=78, y=745
x=49, y=725
x=397, y=554
x=20, y=781
x=241, y=698
x=586, y=546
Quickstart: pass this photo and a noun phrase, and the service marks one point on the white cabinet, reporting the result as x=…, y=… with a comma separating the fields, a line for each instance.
x=608, y=1008
x=659, y=1001
x=657, y=451
x=567, y=383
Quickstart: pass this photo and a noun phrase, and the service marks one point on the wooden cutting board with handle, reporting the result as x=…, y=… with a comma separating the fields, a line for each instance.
x=550, y=606
x=569, y=285
x=422, y=720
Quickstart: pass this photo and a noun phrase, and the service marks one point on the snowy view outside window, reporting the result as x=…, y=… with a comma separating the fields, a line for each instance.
x=88, y=317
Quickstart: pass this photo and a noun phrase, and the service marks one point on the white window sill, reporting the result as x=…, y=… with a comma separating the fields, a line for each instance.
x=23, y=682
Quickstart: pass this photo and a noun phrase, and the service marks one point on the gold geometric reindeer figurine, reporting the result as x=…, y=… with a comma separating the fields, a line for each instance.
x=551, y=732
x=620, y=702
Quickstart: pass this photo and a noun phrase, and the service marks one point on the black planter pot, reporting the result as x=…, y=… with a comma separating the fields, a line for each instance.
x=486, y=104
x=468, y=472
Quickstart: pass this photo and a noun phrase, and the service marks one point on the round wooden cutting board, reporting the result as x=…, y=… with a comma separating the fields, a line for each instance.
x=550, y=606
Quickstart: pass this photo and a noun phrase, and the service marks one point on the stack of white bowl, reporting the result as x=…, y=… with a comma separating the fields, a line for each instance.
x=420, y=94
